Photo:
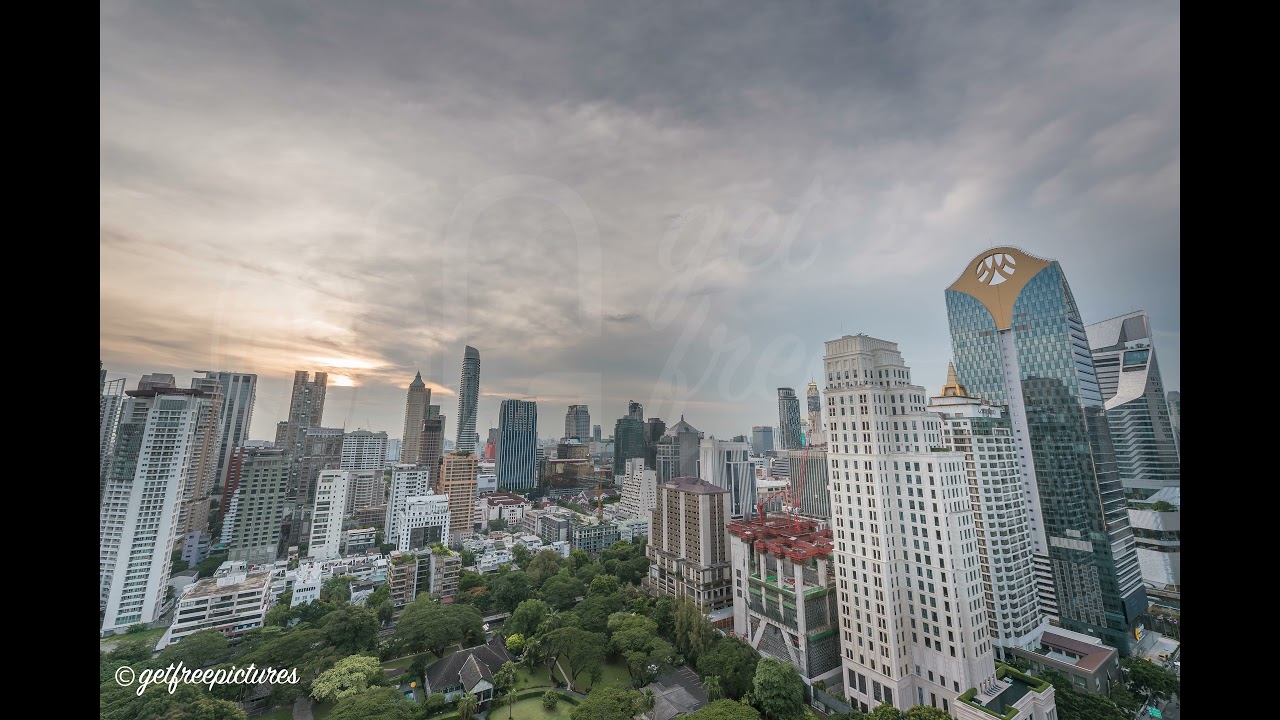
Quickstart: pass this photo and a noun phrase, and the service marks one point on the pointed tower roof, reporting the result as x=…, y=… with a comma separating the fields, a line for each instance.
x=953, y=388
x=417, y=381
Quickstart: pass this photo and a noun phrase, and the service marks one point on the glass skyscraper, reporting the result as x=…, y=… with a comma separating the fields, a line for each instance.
x=789, y=437
x=1018, y=340
x=516, y=463
x=468, y=395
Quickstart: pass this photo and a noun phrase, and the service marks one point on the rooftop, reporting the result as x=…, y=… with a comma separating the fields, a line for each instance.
x=694, y=485
x=210, y=587
x=795, y=537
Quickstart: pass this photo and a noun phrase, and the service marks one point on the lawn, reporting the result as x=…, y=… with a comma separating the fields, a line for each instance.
x=613, y=673
x=152, y=635
x=402, y=664
x=321, y=710
x=531, y=709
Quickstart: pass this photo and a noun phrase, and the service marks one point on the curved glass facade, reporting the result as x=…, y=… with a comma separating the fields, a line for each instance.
x=1090, y=544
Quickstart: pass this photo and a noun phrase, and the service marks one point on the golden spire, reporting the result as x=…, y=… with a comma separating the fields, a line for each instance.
x=953, y=388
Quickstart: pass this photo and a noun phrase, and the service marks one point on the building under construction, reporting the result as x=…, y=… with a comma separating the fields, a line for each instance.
x=784, y=574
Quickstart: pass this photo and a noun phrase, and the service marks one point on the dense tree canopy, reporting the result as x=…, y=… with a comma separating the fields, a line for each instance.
x=527, y=618
x=562, y=590
x=734, y=662
x=349, y=676
x=379, y=703
x=1075, y=705
x=724, y=710
x=777, y=691
x=608, y=702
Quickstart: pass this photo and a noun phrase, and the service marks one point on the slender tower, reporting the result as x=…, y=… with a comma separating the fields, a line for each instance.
x=814, y=400
x=415, y=415
x=468, y=392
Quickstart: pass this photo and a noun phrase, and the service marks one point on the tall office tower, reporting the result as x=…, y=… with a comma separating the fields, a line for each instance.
x=984, y=433
x=1175, y=416
x=432, y=445
x=628, y=442
x=366, y=489
x=1147, y=455
x=1018, y=341
x=726, y=464
x=282, y=435
x=458, y=471
x=252, y=530
x=468, y=395
x=364, y=450
x=595, y=432
x=306, y=408
x=415, y=414
x=639, y=490
x=688, y=546
x=239, y=390
x=815, y=436
x=789, y=437
x=326, y=517
x=679, y=451
x=577, y=422
x=761, y=439
x=654, y=429
x=807, y=473
x=424, y=521
x=111, y=403
x=407, y=480
x=913, y=601
x=394, y=446
x=202, y=473
x=321, y=450
x=517, y=453
x=139, y=514
x=635, y=410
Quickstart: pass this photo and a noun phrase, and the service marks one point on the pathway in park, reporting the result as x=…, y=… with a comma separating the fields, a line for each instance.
x=302, y=709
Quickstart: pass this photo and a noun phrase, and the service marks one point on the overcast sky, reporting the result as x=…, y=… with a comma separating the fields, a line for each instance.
x=675, y=203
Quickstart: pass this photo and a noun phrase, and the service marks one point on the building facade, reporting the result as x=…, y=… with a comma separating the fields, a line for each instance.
x=577, y=422
x=789, y=437
x=813, y=401
x=363, y=450
x=306, y=409
x=366, y=489
x=516, y=463
x=726, y=464
x=807, y=474
x=111, y=403
x=1018, y=340
x=231, y=604
x=424, y=522
x=321, y=450
x=639, y=490
x=458, y=472
x=407, y=481
x=628, y=443
x=239, y=392
x=468, y=397
x=251, y=526
x=417, y=400
x=761, y=439
x=327, y=515
x=688, y=547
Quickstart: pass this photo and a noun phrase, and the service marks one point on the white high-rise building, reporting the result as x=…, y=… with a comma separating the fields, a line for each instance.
x=407, y=481
x=366, y=489
x=364, y=450
x=424, y=521
x=326, y=517
x=639, y=490
x=727, y=464
x=913, y=620
x=984, y=433
x=140, y=504
x=393, y=452
x=111, y=403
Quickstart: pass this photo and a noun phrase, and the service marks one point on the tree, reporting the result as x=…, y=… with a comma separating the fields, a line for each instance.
x=528, y=616
x=207, y=647
x=635, y=638
x=694, y=633
x=1124, y=698
x=593, y=613
x=648, y=700
x=467, y=706
x=515, y=644
x=521, y=555
x=498, y=525
x=544, y=564
x=337, y=590
x=926, y=712
x=724, y=710
x=549, y=700
x=468, y=579
x=609, y=702
x=428, y=625
x=885, y=711
x=503, y=681
x=381, y=703
x=1075, y=705
x=468, y=558
x=734, y=662
x=604, y=585
x=351, y=629
x=206, y=567
x=509, y=590
x=1163, y=506
x=433, y=704
x=1146, y=677
x=664, y=614
x=584, y=650
x=578, y=558
x=562, y=590
x=350, y=676
x=715, y=691
x=777, y=691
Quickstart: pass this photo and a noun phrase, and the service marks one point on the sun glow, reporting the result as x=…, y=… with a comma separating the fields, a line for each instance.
x=342, y=381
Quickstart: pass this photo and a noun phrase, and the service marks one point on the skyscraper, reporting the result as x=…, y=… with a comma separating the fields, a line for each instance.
x=149, y=466
x=407, y=480
x=364, y=450
x=202, y=474
x=1175, y=415
x=468, y=395
x=789, y=419
x=251, y=527
x=415, y=414
x=595, y=432
x=628, y=442
x=577, y=422
x=239, y=391
x=1018, y=340
x=688, y=546
x=321, y=450
x=885, y=448
x=678, y=452
x=725, y=464
x=326, y=518
x=635, y=410
x=761, y=439
x=813, y=398
x=111, y=402
x=654, y=428
x=516, y=463
x=306, y=408
x=807, y=474
x=432, y=445
x=1147, y=455
x=458, y=473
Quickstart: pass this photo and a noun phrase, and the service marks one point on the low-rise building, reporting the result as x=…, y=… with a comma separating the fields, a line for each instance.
x=593, y=537
x=632, y=528
x=433, y=570
x=506, y=506
x=1092, y=666
x=232, y=604
x=468, y=671
x=358, y=541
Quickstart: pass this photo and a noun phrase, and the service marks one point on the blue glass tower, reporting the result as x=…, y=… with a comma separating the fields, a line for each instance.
x=516, y=461
x=1018, y=340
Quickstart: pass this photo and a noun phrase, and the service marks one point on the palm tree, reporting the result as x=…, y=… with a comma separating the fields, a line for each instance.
x=467, y=706
x=504, y=680
x=715, y=691
x=647, y=700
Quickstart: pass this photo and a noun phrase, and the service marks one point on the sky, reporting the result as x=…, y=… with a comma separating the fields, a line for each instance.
x=672, y=203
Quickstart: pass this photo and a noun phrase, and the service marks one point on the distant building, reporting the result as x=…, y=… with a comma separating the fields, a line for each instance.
x=195, y=547
x=789, y=419
x=761, y=439
x=628, y=438
x=654, y=429
x=593, y=538
x=417, y=400
x=306, y=409
x=807, y=472
x=577, y=422
x=814, y=435
x=427, y=571
x=639, y=490
x=504, y=506
x=458, y=481
x=251, y=525
x=406, y=481
x=358, y=541
x=326, y=517
x=1158, y=534
x=424, y=521
x=688, y=545
x=239, y=391
x=516, y=462
x=726, y=464
x=364, y=450
x=595, y=432
x=635, y=410
x=468, y=395
x=632, y=528
x=366, y=489
x=678, y=452
x=322, y=450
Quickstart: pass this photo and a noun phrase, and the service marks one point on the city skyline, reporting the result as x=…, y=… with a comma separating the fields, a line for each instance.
x=302, y=196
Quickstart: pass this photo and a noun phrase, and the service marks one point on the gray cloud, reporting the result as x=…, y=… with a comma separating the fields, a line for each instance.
x=669, y=203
